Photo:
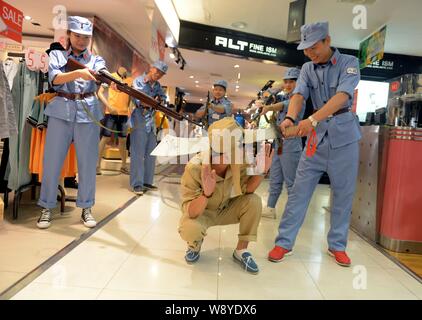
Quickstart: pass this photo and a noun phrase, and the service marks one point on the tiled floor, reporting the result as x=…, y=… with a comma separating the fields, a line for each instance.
x=139, y=255
x=23, y=247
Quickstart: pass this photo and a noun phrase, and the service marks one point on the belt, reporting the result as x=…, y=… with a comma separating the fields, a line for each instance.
x=344, y=110
x=75, y=96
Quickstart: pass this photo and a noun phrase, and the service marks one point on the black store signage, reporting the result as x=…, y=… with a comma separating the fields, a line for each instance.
x=197, y=36
x=240, y=44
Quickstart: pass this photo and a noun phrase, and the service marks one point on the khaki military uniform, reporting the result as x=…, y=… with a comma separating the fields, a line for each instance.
x=222, y=208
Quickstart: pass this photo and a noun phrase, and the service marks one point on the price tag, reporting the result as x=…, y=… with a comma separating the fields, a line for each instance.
x=36, y=61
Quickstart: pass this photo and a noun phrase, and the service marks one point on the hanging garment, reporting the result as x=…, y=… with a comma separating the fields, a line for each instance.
x=10, y=69
x=7, y=113
x=25, y=88
x=38, y=136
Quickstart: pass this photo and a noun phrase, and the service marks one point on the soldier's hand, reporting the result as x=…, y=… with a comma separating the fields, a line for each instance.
x=86, y=75
x=285, y=124
x=264, y=110
x=305, y=127
x=209, y=179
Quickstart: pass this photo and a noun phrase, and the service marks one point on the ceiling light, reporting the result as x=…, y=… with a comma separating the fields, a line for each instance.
x=238, y=76
x=172, y=55
x=197, y=85
x=239, y=25
x=196, y=81
x=201, y=99
x=237, y=87
x=28, y=18
x=191, y=77
x=236, y=66
x=269, y=62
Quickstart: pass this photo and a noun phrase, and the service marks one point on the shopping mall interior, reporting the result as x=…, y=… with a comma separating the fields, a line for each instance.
x=136, y=251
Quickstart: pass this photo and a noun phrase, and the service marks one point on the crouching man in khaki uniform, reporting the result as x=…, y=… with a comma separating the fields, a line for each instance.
x=219, y=192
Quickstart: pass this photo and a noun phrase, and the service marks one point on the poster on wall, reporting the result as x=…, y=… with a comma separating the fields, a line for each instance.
x=116, y=51
x=157, y=48
x=372, y=48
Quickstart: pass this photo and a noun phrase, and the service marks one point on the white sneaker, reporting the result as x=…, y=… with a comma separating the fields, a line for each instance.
x=87, y=218
x=269, y=213
x=44, y=221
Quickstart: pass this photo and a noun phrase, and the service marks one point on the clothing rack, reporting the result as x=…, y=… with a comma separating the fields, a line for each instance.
x=43, y=78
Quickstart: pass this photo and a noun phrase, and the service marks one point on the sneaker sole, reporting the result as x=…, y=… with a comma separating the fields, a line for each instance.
x=339, y=263
x=279, y=260
x=88, y=226
x=139, y=193
x=43, y=226
x=243, y=266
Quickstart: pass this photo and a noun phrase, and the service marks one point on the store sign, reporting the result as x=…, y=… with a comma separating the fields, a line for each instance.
x=245, y=47
x=196, y=36
x=372, y=48
x=11, y=20
x=383, y=64
x=36, y=61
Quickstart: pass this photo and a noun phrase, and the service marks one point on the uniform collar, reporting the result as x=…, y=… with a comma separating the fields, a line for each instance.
x=218, y=100
x=84, y=54
x=333, y=60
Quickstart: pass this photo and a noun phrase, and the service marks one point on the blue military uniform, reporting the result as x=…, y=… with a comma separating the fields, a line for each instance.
x=143, y=138
x=214, y=116
x=337, y=150
x=68, y=121
x=284, y=165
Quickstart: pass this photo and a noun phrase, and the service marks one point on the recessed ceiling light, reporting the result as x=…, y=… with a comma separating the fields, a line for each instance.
x=28, y=18
x=196, y=81
x=172, y=55
x=197, y=85
x=236, y=66
x=237, y=87
x=239, y=25
x=201, y=99
x=191, y=77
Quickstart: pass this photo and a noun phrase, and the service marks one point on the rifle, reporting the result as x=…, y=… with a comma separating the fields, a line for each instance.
x=205, y=121
x=103, y=76
x=255, y=118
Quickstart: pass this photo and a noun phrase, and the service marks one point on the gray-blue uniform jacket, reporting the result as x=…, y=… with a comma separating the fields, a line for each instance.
x=322, y=82
x=73, y=110
x=147, y=116
x=214, y=116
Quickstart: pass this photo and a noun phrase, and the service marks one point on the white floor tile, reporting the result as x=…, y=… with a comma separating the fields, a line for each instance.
x=39, y=291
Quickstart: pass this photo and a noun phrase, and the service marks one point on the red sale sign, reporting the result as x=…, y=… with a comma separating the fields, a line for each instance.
x=11, y=20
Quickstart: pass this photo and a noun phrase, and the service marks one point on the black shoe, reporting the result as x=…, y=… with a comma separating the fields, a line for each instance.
x=139, y=191
x=150, y=186
x=87, y=218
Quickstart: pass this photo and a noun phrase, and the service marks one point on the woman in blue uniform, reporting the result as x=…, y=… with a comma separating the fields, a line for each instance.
x=72, y=117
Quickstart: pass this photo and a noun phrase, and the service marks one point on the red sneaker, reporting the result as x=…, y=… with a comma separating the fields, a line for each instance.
x=277, y=254
x=341, y=258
